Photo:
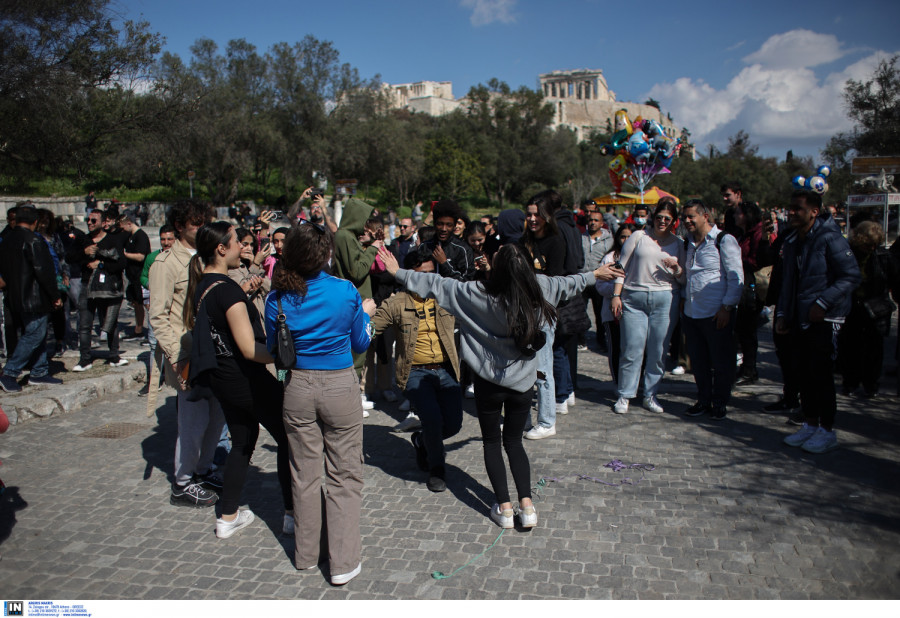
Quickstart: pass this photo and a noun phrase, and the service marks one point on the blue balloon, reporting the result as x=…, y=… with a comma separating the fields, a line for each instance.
x=816, y=184
x=799, y=182
x=824, y=171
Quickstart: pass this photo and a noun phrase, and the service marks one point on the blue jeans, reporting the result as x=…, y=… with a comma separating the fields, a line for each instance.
x=648, y=319
x=31, y=348
x=712, y=358
x=562, y=374
x=546, y=386
x=437, y=398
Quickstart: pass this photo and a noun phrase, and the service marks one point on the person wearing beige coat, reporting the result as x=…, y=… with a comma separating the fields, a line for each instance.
x=200, y=422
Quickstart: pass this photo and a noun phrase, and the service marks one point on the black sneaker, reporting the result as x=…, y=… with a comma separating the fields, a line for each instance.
x=10, y=384
x=746, y=380
x=796, y=418
x=421, y=453
x=192, y=495
x=47, y=379
x=698, y=409
x=436, y=482
x=717, y=413
x=210, y=481
x=782, y=405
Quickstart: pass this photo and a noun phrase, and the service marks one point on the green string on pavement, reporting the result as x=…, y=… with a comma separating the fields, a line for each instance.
x=439, y=575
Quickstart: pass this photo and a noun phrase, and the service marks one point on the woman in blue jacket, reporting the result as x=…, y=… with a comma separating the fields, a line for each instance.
x=322, y=409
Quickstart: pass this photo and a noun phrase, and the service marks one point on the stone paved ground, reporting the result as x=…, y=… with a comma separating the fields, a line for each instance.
x=729, y=511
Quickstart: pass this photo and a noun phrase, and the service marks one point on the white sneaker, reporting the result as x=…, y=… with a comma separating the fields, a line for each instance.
x=562, y=408
x=119, y=363
x=650, y=403
x=343, y=578
x=470, y=392
x=539, y=432
x=504, y=518
x=225, y=529
x=621, y=406
x=527, y=516
x=79, y=367
x=678, y=371
x=821, y=442
x=571, y=400
x=796, y=439
x=404, y=405
x=287, y=526
x=365, y=414
x=390, y=396
x=410, y=423
x=366, y=404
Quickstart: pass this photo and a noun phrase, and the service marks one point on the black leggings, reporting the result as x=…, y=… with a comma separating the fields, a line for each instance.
x=490, y=399
x=250, y=396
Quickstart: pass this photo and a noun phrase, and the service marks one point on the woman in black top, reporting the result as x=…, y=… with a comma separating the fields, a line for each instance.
x=249, y=395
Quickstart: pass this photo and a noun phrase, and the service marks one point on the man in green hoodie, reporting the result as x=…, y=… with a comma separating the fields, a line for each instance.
x=353, y=262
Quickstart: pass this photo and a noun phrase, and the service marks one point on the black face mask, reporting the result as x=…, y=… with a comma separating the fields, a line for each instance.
x=316, y=219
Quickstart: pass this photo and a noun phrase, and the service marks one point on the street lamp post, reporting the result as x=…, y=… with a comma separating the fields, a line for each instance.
x=191, y=175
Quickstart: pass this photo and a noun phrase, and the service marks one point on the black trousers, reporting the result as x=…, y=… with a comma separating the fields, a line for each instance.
x=860, y=350
x=814, y=352
x=250, y=396
x=490, y=400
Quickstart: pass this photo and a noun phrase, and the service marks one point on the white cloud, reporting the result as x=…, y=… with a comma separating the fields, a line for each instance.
x=778, y=99
x=735, y=46
x=488, y=11
x=797, y=49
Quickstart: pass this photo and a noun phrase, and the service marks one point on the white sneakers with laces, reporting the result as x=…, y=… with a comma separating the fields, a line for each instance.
x=225, y=529
x=621, y=406
x=539, y=432
x=805, y=433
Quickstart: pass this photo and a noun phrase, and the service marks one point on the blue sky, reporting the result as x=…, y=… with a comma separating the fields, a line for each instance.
x=773, y=69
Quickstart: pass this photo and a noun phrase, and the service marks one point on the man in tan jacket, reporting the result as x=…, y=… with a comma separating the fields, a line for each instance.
x=200, y=423
x=427, y=368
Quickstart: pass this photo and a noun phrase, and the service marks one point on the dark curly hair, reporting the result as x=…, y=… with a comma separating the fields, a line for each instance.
x=192, y=211
x=307, y=248
x=447, y=208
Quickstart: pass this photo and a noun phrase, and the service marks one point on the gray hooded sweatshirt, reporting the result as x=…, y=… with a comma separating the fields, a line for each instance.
x=485, y=342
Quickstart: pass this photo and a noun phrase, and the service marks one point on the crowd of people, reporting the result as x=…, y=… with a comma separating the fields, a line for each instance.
x=441, y=308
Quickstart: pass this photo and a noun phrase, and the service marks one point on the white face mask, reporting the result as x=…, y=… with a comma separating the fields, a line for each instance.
x=641, y=220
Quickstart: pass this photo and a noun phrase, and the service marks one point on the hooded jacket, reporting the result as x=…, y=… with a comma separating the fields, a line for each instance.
x=352, y=261
x=820, y=269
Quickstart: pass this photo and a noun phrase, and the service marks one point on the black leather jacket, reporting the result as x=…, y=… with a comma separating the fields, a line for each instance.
x=27, y=268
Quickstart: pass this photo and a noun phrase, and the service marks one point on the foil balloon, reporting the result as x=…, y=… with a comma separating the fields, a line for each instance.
x=816, y=184
x=638, y=147
x=799, y=182
x=824, y=171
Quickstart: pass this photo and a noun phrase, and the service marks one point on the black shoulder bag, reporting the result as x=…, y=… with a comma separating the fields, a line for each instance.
x=284, y=354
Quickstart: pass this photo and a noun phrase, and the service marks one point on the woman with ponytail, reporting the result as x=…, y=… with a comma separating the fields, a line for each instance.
x=225, y=322
x=500, y=322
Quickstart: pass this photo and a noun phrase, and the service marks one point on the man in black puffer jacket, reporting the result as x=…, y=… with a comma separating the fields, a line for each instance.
x=818, y=278
x=26, y=267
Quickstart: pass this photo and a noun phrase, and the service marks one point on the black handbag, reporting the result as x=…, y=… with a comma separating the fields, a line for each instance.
x=284, y=354
x=880, y=309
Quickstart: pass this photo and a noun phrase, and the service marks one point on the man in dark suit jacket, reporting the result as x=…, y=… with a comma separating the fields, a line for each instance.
x=26, y=267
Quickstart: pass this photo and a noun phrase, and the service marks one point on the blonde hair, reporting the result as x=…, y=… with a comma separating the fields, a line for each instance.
x=867, y=234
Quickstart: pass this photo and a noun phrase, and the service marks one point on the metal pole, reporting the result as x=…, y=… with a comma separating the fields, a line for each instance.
x=191, y=180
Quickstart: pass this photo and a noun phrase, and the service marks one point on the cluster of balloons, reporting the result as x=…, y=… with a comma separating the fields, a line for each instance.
x=642, y=151
x=816, y=183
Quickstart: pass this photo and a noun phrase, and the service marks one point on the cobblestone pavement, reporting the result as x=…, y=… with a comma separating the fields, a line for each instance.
x=728, y=512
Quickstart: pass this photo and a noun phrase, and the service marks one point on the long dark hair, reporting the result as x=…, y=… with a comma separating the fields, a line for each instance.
x=752, y=215
x=514, y=285
x=209, y=237
x=307, y=248
x=616, y=249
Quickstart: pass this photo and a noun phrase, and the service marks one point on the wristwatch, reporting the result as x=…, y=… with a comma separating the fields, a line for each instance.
x=616, y=295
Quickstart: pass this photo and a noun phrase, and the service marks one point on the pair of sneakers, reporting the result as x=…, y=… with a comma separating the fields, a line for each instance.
x=650, y=403
x=505, y=518
x=813, y=439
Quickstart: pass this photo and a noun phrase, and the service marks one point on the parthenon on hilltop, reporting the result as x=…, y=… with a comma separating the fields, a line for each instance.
x=581, y=99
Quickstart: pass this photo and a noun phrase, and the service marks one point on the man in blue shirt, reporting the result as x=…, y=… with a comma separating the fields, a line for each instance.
x=715, y=279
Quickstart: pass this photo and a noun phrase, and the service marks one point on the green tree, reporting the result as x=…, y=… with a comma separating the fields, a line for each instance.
x=450, y=170
x=67, y=83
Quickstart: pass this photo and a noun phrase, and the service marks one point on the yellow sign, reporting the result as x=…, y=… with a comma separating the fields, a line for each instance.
x=872, y=166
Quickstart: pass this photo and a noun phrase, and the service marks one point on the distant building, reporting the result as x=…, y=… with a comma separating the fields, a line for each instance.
x=583, y=102
x=581, y=99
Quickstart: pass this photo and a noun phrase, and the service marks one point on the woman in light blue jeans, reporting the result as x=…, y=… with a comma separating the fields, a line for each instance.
x=646, y=301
